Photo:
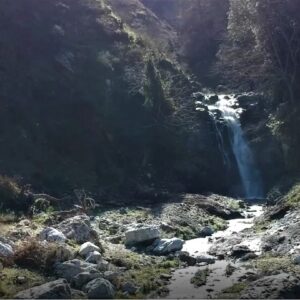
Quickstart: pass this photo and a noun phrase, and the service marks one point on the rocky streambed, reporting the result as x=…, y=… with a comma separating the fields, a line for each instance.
x=193, y=246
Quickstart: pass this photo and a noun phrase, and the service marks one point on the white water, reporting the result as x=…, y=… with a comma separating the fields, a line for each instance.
x=181, y=287
x=250, y=177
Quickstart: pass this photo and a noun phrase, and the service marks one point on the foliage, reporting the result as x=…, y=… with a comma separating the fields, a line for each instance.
x=38, y=256
x=9, y=285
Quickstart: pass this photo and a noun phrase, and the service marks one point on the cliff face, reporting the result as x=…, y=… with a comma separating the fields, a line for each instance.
x=89, y=101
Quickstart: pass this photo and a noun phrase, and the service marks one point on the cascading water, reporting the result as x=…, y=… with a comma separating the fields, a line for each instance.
x=250, y=176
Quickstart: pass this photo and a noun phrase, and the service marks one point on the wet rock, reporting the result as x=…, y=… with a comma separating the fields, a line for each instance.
x=166, y=246
x=6, y=250
x=296, y=260
x=50, y=234
x=165, y=276
x=239, y=250
x=87, y=248
x=187, y=258
x=206, y=259
x=71, y=268
x=142, y=234
x=99, y=288
x=21, y=280
x=58, y=289
x=83, y=278
x=78, y=228
x=278, y=286
x=248, y=256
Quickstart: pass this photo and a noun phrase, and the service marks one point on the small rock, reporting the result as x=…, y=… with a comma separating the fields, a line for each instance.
x=21, y=280
x=83, y=278
x=103, y=265
x=209, y=259
x=87, y=248
x=296, y=260
x=50, y=234
x=206, y=231
x=99, y=288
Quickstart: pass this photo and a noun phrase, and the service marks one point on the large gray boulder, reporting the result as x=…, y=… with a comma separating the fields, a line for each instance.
x=142, y=234
x=77, y=228
x=50, y=234
x=6, y=250
x=58, y=289
x=71, y=268
x=167, y=246
x=281, y=286
x=100, y=288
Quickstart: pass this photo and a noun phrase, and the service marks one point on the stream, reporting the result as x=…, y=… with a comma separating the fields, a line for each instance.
x=181, y=287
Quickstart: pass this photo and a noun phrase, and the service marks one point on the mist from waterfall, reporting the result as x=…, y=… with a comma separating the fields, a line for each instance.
x=250, y=175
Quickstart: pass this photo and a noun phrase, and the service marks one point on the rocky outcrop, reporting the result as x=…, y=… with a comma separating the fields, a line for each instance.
x=58, y=289
x=70, y=269
x=273, y=287
x=78, y=228
x=50, y=234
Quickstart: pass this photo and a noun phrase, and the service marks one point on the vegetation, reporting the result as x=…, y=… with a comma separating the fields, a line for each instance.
x=200, y=277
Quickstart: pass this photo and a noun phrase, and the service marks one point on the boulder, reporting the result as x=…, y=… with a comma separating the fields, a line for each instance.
x=94, y=257
x=281, y=286
x=83, y=278
x=140, y=235
x=87, y=248
x=206, y=231
x=6, y=250
x=187, y=258
x=239, y=250
x=50, y=234
x=167, y=246
x=209, y=259
x=71, y=268
x=58, y=289
x=77, y=228
x=99, y=288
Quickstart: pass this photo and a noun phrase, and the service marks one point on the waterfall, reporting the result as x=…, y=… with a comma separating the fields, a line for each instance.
x=250, y=176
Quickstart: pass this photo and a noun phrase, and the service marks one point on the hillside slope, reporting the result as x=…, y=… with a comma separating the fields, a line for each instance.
x=87, y=102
